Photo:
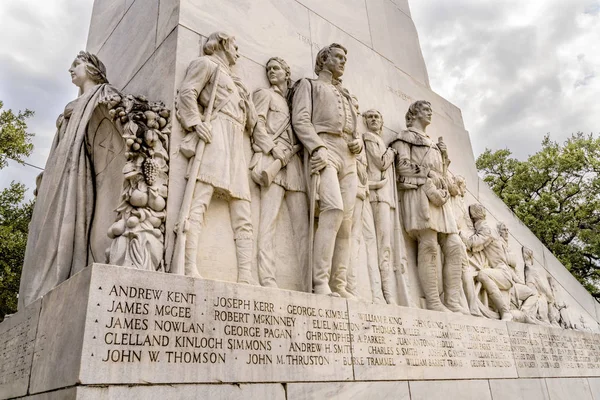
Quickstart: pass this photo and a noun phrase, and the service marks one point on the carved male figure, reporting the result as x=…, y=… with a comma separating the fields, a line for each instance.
x=278, y=169
x=325, y=122
x=458, y=189
x=523, y=297
x=427, y=214
x=537, y=280
x=380, y=160
x=222, y=166
x=498, y=277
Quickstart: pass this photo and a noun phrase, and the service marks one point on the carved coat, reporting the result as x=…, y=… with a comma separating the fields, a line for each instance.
x=58, y=245
x=274, y=119
x=318, y=106
x=380, y=159
x=223, y=164
x=417, y=155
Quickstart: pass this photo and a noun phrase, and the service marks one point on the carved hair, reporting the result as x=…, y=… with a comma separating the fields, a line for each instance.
x=216, y=41
x=286, y=68
x=372, y=111
x=324, y=54
x=93, y=66
x=477, y=211
x=413, y=111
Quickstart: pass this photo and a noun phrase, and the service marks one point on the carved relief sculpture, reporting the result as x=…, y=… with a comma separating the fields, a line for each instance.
x=538, y=281
x=381, y=196
x=325, y=122
x=138, y=232
x=59, y=244
x=497, y=276
x=421, y=166
x=363, y=227
x=277, y=167
x=458, y=188
x=215, y=108
x=523, y=298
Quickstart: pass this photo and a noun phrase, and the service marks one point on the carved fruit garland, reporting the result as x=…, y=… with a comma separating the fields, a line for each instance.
x=138, y=232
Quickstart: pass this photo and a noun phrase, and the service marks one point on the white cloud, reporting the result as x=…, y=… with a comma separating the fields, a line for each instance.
x=518, y=70
x=39, y=41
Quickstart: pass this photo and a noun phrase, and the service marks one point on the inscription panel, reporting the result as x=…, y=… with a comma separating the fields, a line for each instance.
x=140, y=329
x=17, y=340
x=390, y=342
x=541, y=351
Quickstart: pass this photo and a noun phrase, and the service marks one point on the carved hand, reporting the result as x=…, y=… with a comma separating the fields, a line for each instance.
x=443, y=148
x=203, y=131
x=355, y=146
x=278, y=153
x=318, y=160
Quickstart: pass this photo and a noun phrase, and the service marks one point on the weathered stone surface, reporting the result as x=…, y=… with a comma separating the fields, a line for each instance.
x=348, y=15
x=60, y=335
x=207, y=331
x=394, y=36
x=107, y=15
x=568, y=388
x=541, y=351
x=594, y=384
x=180, y=392
x=17, y=338
x=519, y=389
x=450, y=390
x=131, y=43
x=392, y=343
x=262, y=28
x=349, y=390
x=168, y=19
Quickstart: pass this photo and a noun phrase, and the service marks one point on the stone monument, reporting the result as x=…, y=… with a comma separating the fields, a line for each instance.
x=250, y=234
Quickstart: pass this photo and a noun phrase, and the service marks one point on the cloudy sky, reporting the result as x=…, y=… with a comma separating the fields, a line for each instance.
x=517, y=69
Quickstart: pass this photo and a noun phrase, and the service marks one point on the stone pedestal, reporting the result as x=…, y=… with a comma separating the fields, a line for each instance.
x=109, y=332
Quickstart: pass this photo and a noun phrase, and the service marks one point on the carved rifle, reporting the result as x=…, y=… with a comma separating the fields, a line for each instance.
x=178, y=261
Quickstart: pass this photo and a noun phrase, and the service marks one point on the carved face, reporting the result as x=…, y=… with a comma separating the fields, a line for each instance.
x=336, y=62
x=503, y=231
x=276, y=73
x=231, y=51
x=425, y=114
x=78, y=73
x=373, y=121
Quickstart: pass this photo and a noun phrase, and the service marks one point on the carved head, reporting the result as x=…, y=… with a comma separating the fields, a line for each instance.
x=527, y=256
x=87, y=66
x=278, y=71
x=373, y=120
x=331, y=58
x=476, y=212
x=461, y=184
x=419, y=110
x=502, y=230
x=221, y=42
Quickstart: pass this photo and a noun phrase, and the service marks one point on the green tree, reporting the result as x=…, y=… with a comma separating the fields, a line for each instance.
x=15, y=142
x=556, y=193
x=15, y=215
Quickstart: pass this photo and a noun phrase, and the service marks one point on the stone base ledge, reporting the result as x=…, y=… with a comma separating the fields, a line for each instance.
x=110, y=325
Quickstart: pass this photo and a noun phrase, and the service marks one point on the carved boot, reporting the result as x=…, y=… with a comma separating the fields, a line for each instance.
x=387, y=282
x=452, y=273
x=429, y=282
x=243, y=249
x=339, y=267
x=469, y=288
x=191, y=250
x=501, y=305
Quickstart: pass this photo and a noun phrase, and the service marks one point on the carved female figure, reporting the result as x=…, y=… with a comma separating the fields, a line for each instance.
x=58, y=245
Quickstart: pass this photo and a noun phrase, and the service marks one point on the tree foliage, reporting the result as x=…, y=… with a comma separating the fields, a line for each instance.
x=556, y=193
x=15, y=142
x=15, y=215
